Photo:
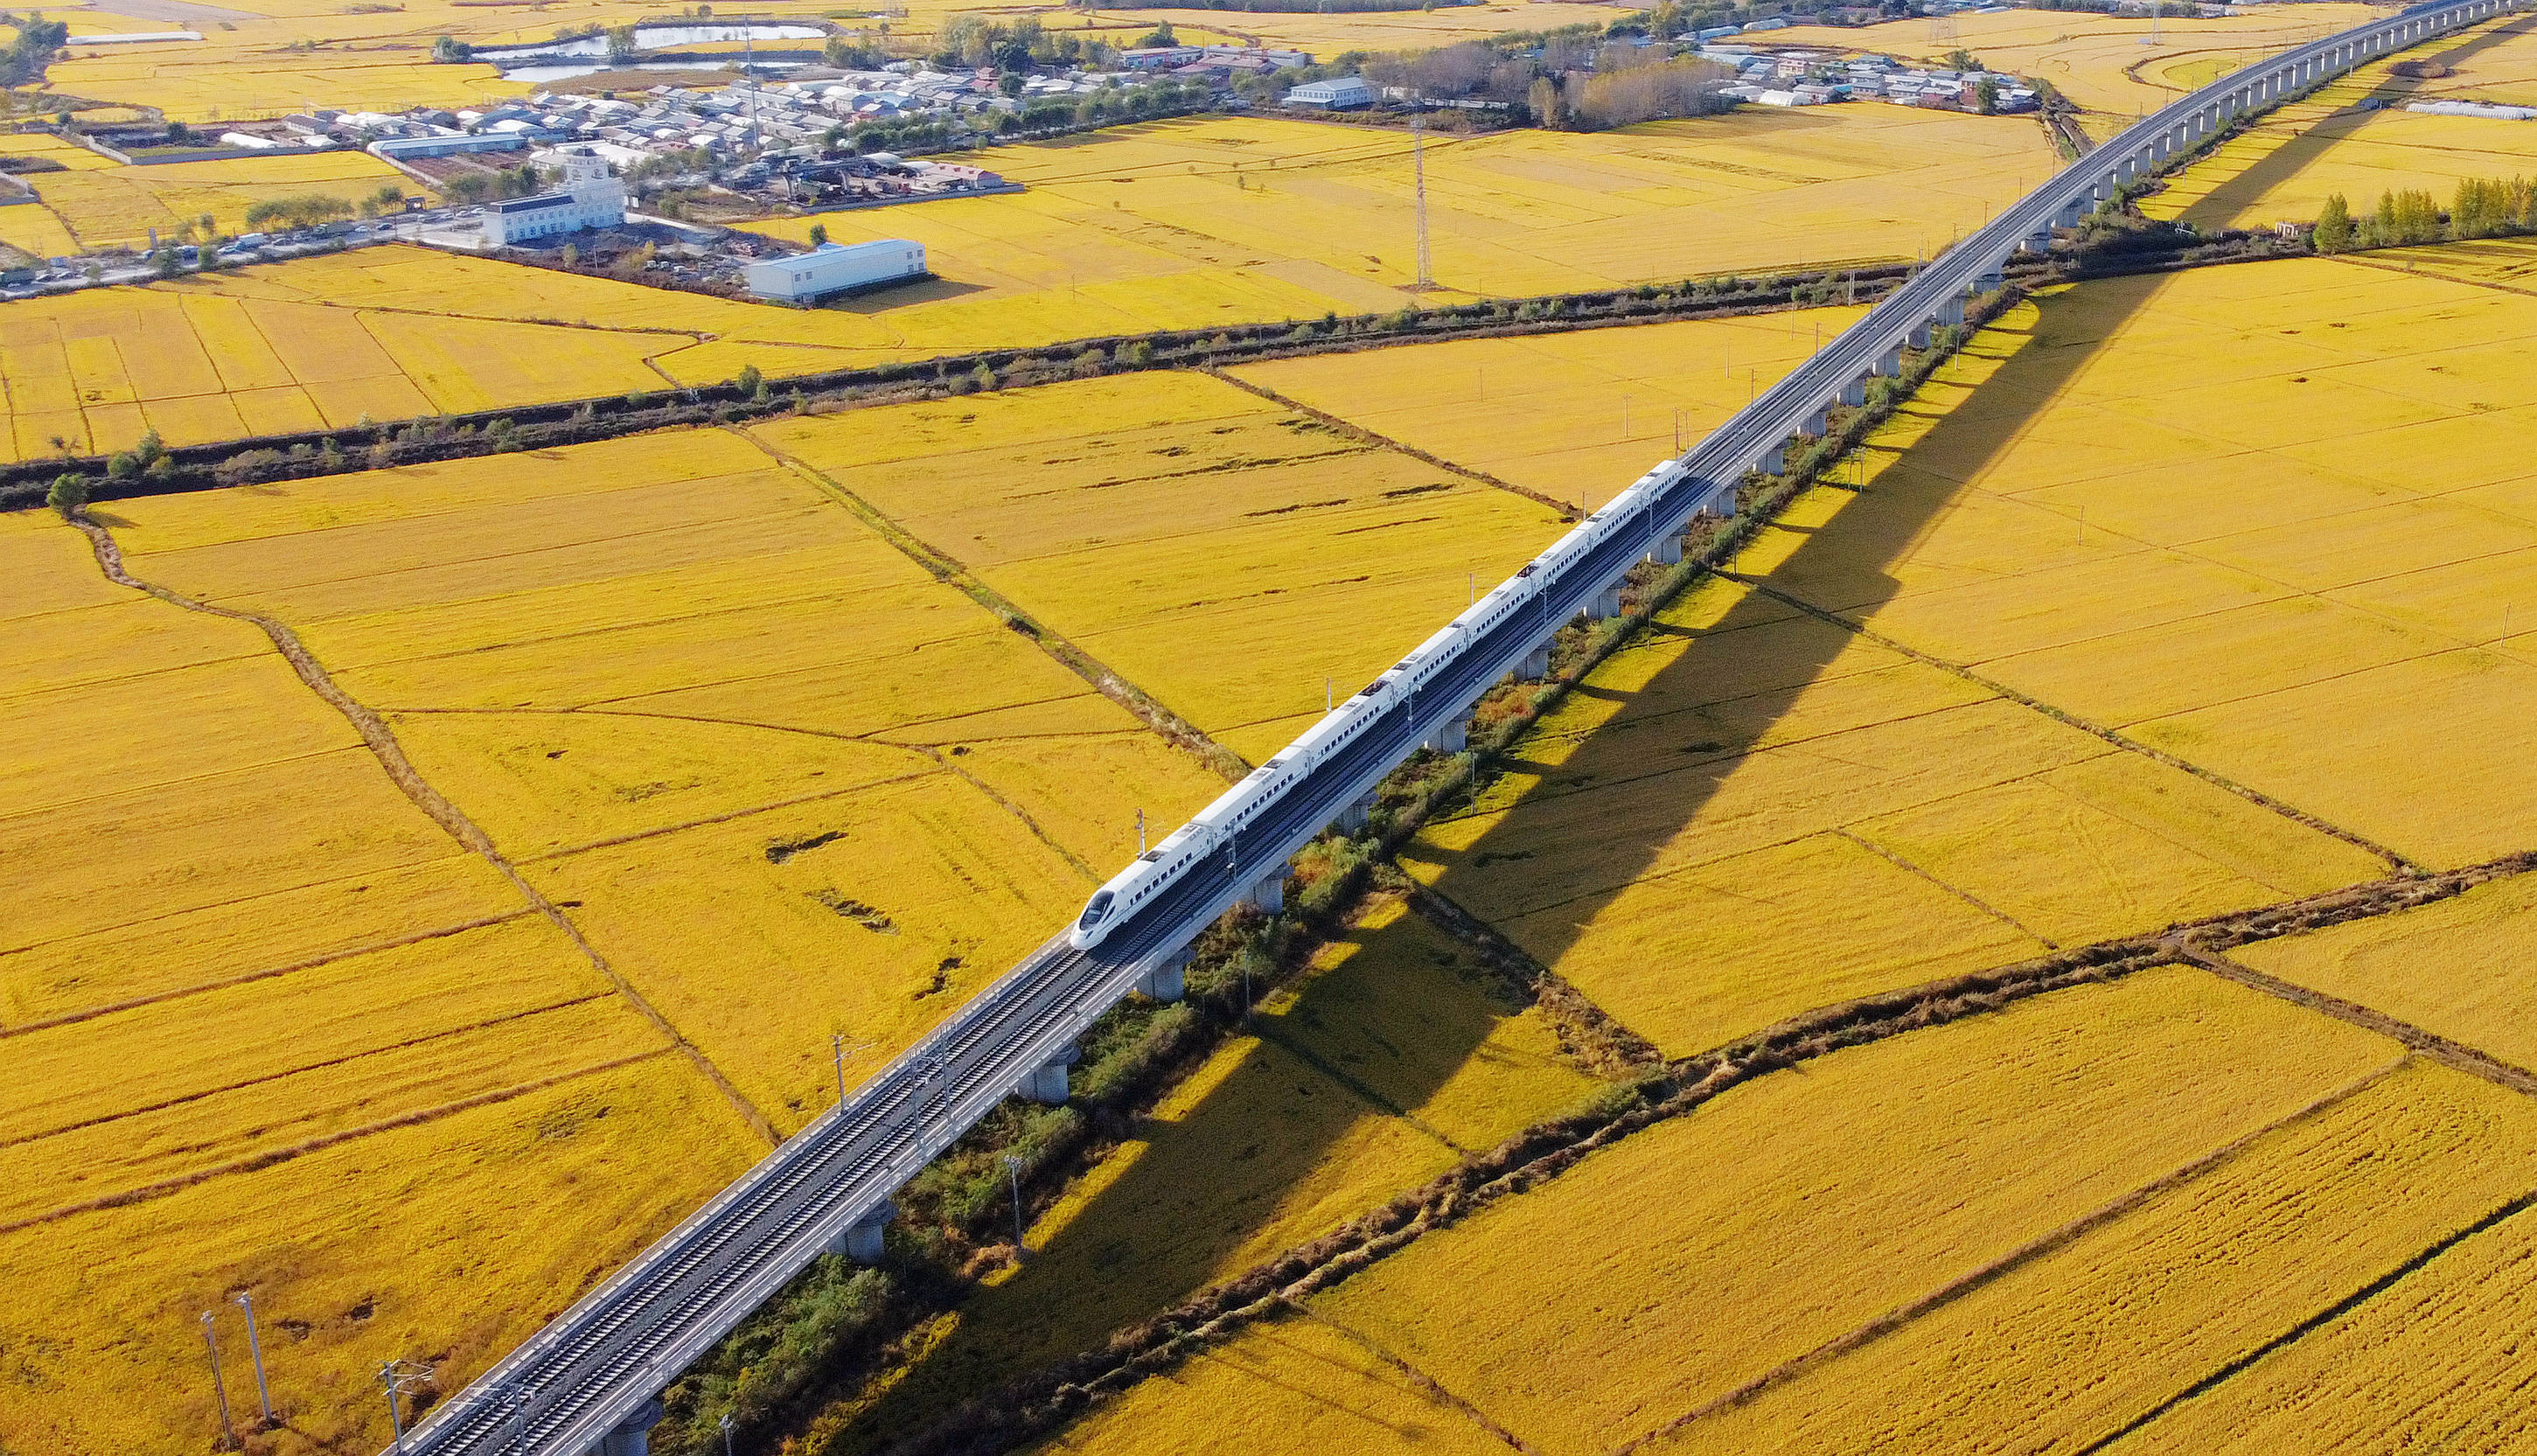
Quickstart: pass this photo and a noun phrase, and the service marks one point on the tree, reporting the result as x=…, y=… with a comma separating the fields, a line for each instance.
x=2334, y=226
x=1550, y=108
x=1160, y=37
x=450, y=50
x=749, y=381
x=818, y=234
x=1986, y=97
x=69, y=496
x=32, y=49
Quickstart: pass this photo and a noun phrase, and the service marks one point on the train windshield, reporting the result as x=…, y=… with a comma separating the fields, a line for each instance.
x=1094, y=912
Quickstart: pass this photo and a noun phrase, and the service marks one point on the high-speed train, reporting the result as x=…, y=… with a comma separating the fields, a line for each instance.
x=1215, y=826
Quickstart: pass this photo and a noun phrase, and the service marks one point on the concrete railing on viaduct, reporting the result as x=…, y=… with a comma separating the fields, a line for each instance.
x=589, y=1383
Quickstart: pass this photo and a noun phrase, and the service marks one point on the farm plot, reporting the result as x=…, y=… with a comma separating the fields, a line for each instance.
x=1704, y=1253
x=155, y=955
x=1385, y=1064
x=1666, y=839
x=2269, y=520
x=94, y=370
x=1182, y=223
x=2456, y=968
x=1222, y=552
x=2355, y=138
x=787, y=784
x=1575, y=417
x=2100, y=1338
x=120, y=206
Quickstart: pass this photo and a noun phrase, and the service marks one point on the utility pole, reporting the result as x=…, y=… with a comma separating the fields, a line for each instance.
x=220, y=1392
x=396, y=1422
x=725, y=1435
x=1419, y=169
x=1140, y=832
x=837, y=1047
x=255, y=1352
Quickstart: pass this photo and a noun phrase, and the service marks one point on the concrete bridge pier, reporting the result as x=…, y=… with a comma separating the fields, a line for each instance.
x=1888, y=365
x=1046, y=1083
x=1667, y=551
x=1269, y=893
x=1919, y=338
x=1775, y=460
x=1821, y=419
x=2038, y=243
x=1536, y=665
x=634, y=1435
x=1987, y=283
x=1951, y=313
x=1606, y=604
x=1451, y=736
x=1855, y=393
x=861, y=1241
x=1169, y=980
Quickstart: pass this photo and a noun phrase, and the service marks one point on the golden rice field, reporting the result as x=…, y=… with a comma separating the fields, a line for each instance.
x=2097, y=1337
x=774, y=780
x=120, y=206
x=2452, y=969
x=1668, y=841
x=656, y=691
x=2289, y=161
x=1224, y=553
x=1179, y=224
x=2334, y=629
x=1382, y=1068
x=2264, y=630
x=1170, y=225
x=1617, y=1302
x=97, y=368
x=1574, y=416
x=325, y=1061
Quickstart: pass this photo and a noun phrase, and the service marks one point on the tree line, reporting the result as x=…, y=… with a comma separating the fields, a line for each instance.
x=2479, y=208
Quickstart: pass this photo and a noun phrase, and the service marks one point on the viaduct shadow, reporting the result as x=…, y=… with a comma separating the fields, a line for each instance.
x=2297, y=153
x=1218, y=1171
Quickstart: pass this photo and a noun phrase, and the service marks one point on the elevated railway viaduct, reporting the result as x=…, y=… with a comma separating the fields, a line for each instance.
x=588, y=1383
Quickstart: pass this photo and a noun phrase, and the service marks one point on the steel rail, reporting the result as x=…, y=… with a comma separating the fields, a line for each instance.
x=577, y=1385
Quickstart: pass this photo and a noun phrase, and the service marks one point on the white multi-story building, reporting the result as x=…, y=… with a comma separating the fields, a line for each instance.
x=586, y=196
